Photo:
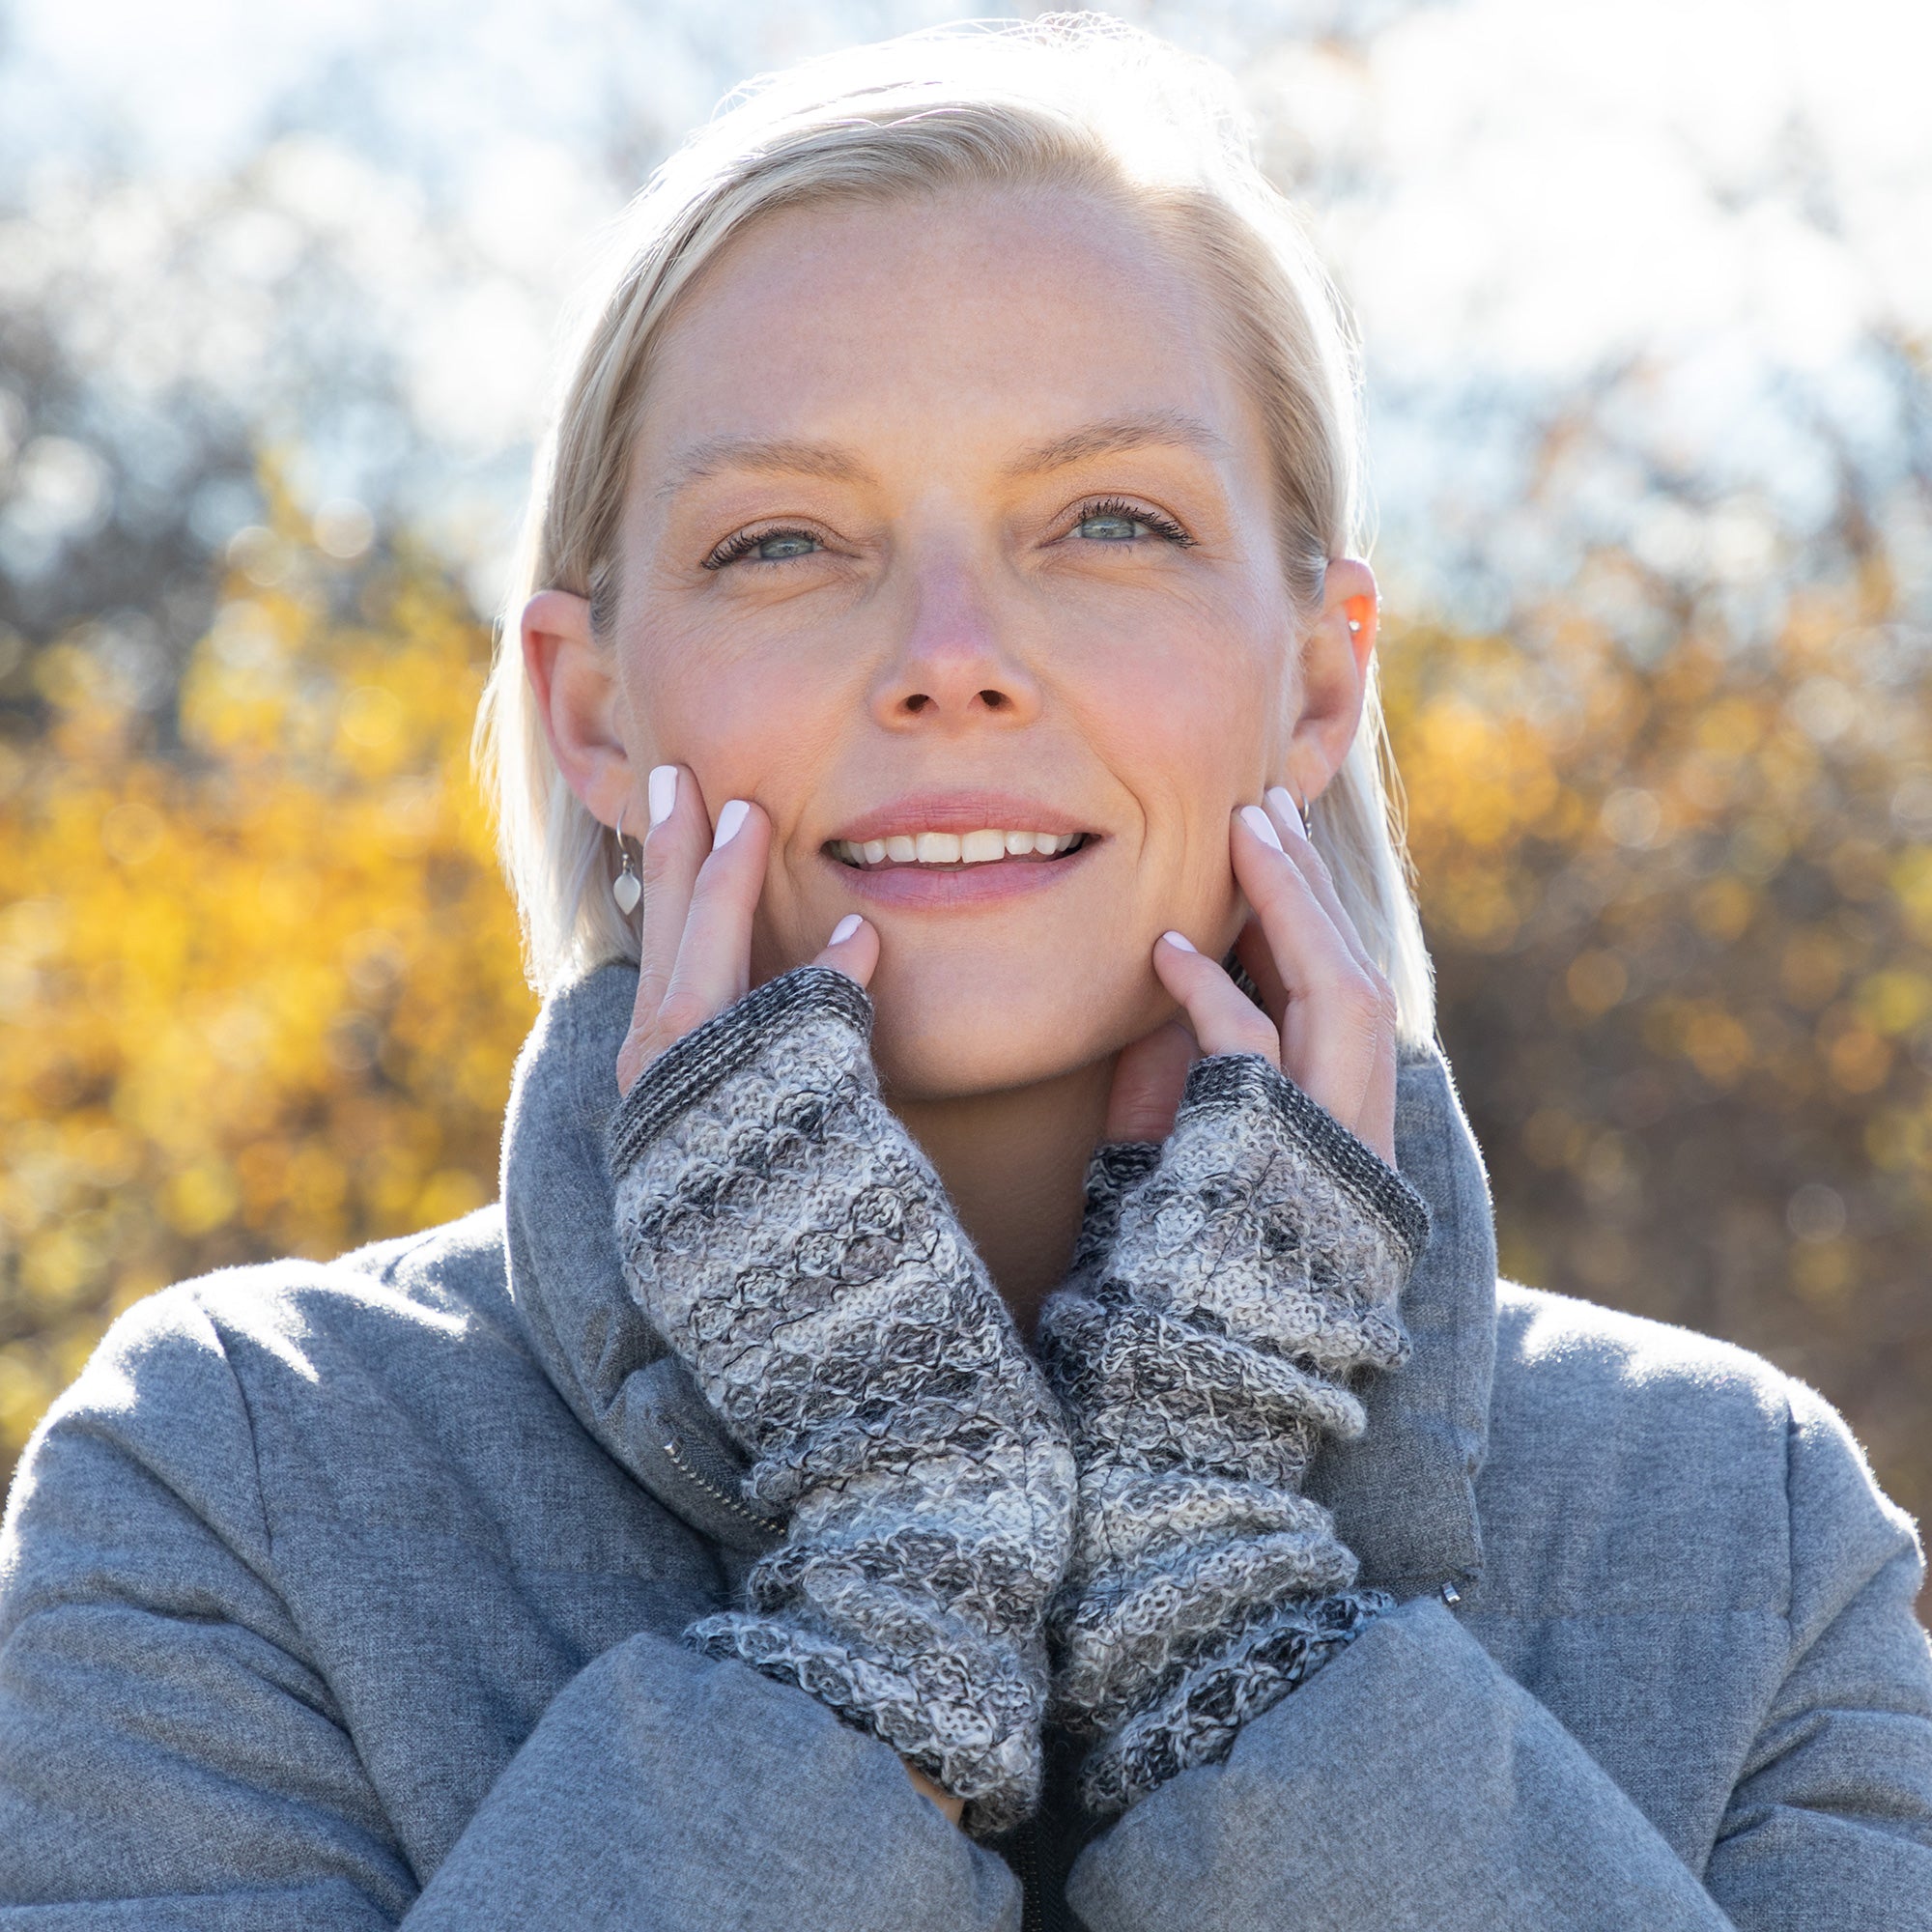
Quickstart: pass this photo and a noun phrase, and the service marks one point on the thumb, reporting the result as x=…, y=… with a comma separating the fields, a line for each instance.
x=1148, y=1081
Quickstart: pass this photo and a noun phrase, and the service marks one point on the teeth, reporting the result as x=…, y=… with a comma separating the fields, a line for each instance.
x=952, y=848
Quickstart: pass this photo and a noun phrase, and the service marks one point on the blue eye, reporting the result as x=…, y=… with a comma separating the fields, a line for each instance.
x=782, y=544
x=1112, y=520
x=1109, y=528
x=765, y=547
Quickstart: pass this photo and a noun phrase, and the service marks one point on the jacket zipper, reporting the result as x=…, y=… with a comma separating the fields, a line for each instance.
x=1033, y=1902
x=730, y=1502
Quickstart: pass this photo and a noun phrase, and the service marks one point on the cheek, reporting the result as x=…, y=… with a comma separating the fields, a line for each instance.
x=1193, y=729
x=748, y=724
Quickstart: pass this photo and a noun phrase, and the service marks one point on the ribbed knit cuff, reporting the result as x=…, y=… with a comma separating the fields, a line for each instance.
x=1234, y=1080
x=698, y=1062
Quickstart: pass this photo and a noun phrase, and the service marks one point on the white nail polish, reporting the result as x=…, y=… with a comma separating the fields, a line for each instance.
x=846, y=928
x=1261, y=825
x=728, y=822
x=663, y=792
x=1283, y=801
x=1181, y=940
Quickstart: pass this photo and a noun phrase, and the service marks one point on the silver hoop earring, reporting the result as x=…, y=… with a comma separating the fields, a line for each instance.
x=627, y=888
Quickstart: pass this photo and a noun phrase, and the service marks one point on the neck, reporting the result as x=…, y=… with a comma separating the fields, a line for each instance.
x=1013, y=1164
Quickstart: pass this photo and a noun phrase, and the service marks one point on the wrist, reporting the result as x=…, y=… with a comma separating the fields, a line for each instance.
x=950, y=1806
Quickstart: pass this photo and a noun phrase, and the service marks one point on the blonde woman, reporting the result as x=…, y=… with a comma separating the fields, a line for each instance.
x=986, y=1400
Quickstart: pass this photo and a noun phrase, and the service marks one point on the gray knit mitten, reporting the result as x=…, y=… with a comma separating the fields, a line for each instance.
x=1228, y=1286
x=794, y=1246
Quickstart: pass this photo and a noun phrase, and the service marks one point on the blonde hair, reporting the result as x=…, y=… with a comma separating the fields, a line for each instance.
x=1073, y=100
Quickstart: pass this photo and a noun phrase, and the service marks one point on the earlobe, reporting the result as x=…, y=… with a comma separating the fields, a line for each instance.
x=578, y=696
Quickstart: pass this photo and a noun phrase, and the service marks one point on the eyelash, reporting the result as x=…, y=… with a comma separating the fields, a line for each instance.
x=1165, y=528
x=747, y=541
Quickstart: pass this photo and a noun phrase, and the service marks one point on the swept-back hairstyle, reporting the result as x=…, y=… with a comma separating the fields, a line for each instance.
x=1071, y=102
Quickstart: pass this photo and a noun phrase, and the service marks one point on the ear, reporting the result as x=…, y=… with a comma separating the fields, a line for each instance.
x=1334, y=676
x=580, y=699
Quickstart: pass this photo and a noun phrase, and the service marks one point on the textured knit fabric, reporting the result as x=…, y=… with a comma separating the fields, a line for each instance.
x=789, y=1240
x=1227, y=1289
x=342, y=1594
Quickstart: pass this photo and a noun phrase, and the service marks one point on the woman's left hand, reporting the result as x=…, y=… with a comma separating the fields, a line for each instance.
x=1330, y=1018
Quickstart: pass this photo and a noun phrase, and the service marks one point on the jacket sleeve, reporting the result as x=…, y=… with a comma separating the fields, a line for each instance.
x=1831, y=1819
x=171, y=1760
x=1415, y=1783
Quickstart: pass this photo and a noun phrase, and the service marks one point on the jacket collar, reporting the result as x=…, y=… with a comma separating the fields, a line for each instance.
x=1402, y=1493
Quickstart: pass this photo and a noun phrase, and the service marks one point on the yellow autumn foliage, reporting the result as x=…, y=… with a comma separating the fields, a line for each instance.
x=260, y=997
x=1680, y=912
x=260, y=993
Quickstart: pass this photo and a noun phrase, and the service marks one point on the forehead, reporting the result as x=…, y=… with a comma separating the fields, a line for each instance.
x=980, y=320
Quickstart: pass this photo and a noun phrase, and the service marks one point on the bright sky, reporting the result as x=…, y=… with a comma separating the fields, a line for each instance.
x=1520, y=196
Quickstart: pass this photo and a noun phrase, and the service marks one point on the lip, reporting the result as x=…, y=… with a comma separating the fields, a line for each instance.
x=915, y=885
x=970, y=811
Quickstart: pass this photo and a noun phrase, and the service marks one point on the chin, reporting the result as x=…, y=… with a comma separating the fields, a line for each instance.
x=947, y=1030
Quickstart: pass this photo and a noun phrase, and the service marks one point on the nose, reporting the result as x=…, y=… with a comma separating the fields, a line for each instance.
x=956, y=663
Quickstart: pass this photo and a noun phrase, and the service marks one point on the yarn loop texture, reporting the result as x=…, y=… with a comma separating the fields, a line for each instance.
x=1230, y=1287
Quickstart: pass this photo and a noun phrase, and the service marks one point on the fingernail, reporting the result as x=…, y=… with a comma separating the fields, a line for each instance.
x=846, y=928
x=663, y=792
x=1283, y=801
x=728, y=822
x=1261, y=825
x=1181, y=940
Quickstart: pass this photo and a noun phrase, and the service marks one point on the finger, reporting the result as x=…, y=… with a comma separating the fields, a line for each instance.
x=1299, y=847
x=1222, y=1017
x=1148, y=1078
x=713, y=957
x=1329, y=1045
x=678, y=836
x=853, y=949
x=1376, y=1122
x=1251, y=949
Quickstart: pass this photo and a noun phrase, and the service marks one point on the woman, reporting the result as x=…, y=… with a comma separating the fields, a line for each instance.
x=968, y=1412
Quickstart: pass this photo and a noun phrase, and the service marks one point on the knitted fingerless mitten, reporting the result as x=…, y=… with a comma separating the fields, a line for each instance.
x=794, y=1246
x=1226, y=1288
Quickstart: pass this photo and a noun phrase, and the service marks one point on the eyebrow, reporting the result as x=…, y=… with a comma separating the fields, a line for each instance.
x=1146, y=429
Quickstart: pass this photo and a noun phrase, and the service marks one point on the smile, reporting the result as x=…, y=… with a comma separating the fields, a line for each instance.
x=953, y=848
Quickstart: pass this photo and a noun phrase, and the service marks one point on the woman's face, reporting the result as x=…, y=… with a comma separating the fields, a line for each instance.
x=948, y=518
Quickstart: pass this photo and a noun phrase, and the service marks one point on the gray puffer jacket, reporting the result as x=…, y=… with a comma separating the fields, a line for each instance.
x=348, y=1595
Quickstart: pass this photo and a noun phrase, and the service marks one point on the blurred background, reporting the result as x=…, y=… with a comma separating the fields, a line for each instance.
x=1646, y=293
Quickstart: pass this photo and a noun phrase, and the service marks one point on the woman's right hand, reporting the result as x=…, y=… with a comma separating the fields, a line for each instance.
x=697, y=906
x=701, y=886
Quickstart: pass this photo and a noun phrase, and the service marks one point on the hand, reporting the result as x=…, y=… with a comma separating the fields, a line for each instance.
x=697, y=907
x=700, y=898
x=1329, y=1022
